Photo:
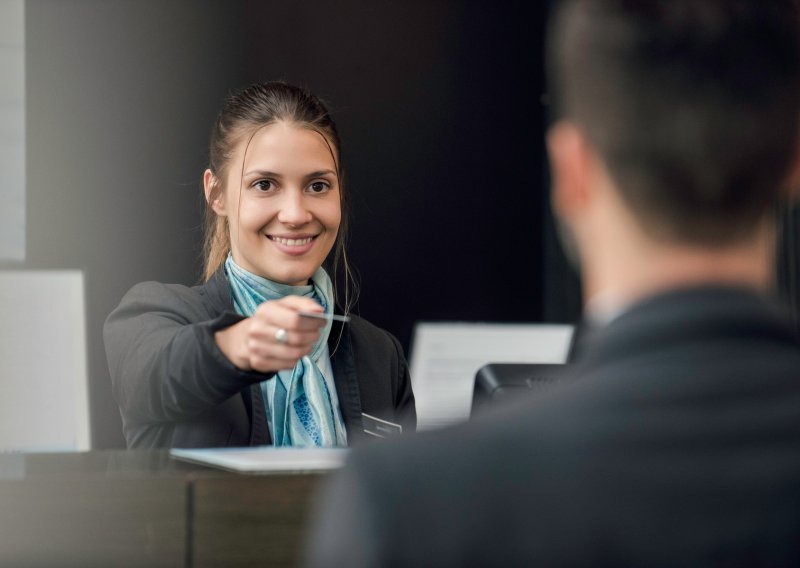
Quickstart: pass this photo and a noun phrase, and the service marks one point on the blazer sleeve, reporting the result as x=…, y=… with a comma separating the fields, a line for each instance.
x=163, y=360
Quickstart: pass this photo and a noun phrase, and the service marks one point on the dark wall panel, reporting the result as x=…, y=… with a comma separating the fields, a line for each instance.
x=438, y=105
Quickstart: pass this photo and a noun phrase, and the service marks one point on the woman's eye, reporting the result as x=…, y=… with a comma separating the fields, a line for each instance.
x=319, y=186
x=263, y=185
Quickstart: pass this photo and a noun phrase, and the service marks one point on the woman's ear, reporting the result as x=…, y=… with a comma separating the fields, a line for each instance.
x=213, y=191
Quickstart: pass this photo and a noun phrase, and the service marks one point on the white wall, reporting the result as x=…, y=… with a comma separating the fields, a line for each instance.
x=12, y=129
x=120, y=99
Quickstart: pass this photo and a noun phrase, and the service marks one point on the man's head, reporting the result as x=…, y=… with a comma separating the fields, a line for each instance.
x=689, y=107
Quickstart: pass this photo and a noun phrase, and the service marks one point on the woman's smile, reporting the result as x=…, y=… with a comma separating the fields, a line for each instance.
x=294, y=245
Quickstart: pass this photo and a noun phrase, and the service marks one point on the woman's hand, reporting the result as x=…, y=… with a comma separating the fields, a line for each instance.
x=252, y=343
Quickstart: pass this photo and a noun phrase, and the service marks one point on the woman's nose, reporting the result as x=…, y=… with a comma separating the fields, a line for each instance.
x=293, y=209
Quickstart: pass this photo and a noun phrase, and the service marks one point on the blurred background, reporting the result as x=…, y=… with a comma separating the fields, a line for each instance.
x=440, y=105
x=438, y=102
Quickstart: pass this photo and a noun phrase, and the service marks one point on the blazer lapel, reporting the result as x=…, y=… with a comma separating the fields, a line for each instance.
x=254, y=403
x=346, y=380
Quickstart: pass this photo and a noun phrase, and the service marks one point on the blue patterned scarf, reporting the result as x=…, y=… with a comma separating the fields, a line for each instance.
x=302, y=406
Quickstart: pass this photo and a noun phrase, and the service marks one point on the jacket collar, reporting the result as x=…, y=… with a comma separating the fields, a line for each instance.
x=684, y=316
x=217, y=292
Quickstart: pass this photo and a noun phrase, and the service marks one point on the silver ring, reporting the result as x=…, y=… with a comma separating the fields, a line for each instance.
x=281, y=336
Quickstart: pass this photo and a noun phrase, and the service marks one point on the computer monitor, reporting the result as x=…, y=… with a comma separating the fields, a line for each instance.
x=446, y=355
x=497, y=382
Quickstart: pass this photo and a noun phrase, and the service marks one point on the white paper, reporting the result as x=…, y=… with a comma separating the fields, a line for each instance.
x=446, y=356
x=266, y=459
x=43, y=379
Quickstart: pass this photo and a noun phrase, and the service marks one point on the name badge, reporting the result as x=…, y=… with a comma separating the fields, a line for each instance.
x=380, y=428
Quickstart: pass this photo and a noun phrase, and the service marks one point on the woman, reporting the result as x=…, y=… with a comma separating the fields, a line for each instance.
x=232, y=362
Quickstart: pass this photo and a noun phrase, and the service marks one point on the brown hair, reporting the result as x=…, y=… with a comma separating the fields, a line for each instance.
x=693, y=106
x=245, y=112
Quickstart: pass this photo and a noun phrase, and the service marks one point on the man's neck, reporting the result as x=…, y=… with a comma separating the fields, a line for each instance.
x=651, y=268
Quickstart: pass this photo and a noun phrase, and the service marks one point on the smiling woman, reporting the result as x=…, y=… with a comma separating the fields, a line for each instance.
x=284, y=216
x=234, y=361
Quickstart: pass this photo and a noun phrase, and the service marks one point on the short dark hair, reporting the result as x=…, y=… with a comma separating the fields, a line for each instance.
x=693, y=105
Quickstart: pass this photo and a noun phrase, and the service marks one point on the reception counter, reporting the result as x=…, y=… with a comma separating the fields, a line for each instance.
x=144, y=508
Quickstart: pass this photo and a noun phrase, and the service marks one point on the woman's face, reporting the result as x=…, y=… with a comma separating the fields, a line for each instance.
x=283, y=207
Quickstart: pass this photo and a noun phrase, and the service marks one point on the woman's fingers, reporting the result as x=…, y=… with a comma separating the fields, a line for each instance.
x=278, y=336
x=278, y=350
x=300, y=304
x=266, y=356
x=285, y=314
x=269, y=334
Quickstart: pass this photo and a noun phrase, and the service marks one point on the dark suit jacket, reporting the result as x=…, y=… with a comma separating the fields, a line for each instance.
x=677, y=443
x=175, y=388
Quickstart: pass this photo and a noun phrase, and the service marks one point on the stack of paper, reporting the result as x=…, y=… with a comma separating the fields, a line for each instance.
x=266, y=459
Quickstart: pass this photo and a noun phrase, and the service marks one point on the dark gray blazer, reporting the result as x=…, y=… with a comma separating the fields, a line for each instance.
x=677, y=443
x=175, y=388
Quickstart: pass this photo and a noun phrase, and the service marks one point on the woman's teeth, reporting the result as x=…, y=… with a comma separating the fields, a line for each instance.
x=292, y=242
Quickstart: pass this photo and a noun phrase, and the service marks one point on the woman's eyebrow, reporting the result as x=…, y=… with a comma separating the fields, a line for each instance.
x=320, y=173
x=263, y=173
x=267, y=173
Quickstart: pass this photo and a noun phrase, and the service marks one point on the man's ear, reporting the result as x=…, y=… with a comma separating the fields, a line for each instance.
x=213, y=191
x=570, y=163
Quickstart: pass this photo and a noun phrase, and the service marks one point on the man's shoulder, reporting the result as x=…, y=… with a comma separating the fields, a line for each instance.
x=685, y=318
x=474, y=486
